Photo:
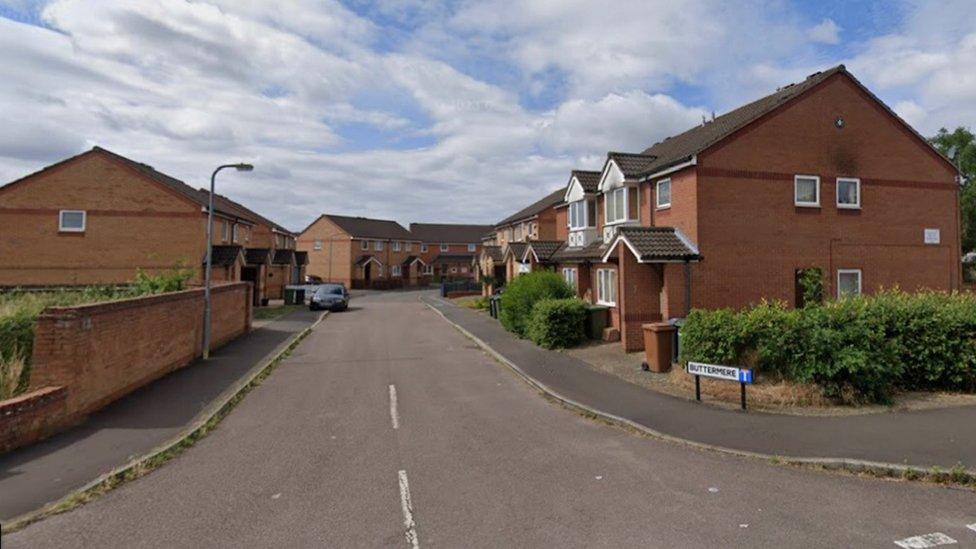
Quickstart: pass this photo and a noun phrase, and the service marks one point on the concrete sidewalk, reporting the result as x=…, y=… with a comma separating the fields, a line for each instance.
x=923, y=439
x=33, y=476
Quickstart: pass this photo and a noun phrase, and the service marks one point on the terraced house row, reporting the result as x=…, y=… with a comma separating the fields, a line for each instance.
x=99, y=218
x=817, y=175
x=378, y=253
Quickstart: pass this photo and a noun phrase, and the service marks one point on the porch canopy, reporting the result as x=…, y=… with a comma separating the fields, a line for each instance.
x=655, y=245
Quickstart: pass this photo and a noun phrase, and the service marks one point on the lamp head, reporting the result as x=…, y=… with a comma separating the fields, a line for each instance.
x=242, y=167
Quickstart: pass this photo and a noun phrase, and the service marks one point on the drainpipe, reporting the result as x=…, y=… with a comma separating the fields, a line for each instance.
x=687, y=287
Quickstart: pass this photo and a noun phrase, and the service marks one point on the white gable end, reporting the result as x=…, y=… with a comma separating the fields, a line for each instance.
x=575, y=191
x=611, y=177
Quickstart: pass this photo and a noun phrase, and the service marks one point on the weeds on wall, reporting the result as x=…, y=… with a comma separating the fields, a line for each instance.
x=19, y=311
x=858, y=349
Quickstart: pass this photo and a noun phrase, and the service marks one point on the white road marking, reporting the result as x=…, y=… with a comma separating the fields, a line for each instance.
x=409, y=525
x=394, y=414
x=934, y=539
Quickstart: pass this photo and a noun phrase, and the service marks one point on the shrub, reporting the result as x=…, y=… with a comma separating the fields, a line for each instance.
x=811, y=286
x=172, y=280
x=857, y=349
x=523, y=293
x=557, y=323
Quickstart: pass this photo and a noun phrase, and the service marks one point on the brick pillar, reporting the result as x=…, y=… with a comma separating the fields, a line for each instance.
x=638, y=297
x=673, y=291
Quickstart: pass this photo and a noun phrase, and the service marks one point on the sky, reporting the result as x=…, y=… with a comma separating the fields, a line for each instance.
x=430, y=110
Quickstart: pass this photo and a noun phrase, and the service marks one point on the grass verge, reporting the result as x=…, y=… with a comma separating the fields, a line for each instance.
x=144, y=465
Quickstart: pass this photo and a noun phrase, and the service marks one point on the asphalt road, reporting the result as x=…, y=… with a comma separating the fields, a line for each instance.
x=312, y=458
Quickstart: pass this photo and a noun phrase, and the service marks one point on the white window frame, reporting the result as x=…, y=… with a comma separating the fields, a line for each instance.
x=625, y=191
x=606, y=282
x=408, y=246
x=234, y=233
x=365, y=245
x=317, y=245
x=224, y=231
x=857, y=185
x=570, y=275
x=796, y=200
x=578, y=215
x=657, y=194
x=445, y=247
x=472, y=247
x=84, y=221
x=860, y=281
x=396, y=245
x=394, y=270
x=423, y=247
x=428, y=269
x=378, y=245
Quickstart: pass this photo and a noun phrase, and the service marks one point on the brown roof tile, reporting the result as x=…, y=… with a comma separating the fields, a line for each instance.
x=364, y=227
x=544, y=249
x=588, y=179
x=449, y=233
x=658, y=244
x=535, y=208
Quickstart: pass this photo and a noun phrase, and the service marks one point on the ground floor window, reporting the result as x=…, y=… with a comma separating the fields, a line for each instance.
x=524, y=268
x=848, y=282
x=428, y=269
x=606, y=286
x=569, y=275
x=395, y=270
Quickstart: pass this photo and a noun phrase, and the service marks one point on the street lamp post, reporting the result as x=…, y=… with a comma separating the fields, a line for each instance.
x=241, y=167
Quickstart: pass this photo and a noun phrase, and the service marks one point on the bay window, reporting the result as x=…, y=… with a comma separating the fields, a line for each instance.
x=621, y=204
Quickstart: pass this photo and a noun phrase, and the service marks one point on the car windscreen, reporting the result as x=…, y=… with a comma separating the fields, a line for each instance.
x=333, y=290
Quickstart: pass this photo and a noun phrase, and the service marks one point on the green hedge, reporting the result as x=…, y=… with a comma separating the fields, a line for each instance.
x=522, y=294
x=557, y=323
x=857, y=349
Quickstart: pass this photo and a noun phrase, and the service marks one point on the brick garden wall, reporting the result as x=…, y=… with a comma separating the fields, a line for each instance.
x=98, y=353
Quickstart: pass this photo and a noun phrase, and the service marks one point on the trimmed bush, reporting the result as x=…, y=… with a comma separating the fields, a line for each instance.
x=522, y=294
x=857, y=349
x=557, y=323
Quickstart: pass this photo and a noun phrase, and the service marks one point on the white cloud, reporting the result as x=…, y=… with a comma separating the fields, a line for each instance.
x=826, y=32
x=469, y=110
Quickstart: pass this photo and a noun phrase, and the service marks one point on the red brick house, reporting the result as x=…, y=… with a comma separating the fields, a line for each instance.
x=540, y=220
x=449, y=250
x=99, y=217
x=818, y=175
x=362, y=253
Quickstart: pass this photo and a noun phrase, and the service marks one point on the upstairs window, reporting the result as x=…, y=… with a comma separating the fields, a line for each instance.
x=423, y=247
x=378, y=245
x=396, y=245
x=806, y=191
x=365, y=245
x=235, y=233
x=445, y=247
x=621, y=205
x=472, y=247
x=848, y=193
x=408, y=246
x=224, y=231
x=663, y=194
x=317, y=245
x=582, y=214
x=72, y=221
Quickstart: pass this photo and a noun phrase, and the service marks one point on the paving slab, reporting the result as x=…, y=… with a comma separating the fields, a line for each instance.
x=925, y=438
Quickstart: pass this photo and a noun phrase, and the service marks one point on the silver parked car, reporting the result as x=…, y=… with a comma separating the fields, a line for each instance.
x=333, y=297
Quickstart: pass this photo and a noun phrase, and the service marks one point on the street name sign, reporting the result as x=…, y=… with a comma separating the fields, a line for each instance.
x=727, y=373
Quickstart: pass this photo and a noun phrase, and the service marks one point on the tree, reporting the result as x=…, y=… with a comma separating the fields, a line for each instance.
x=960, y=146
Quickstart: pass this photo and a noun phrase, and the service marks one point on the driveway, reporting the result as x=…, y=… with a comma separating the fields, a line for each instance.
x=387, y=428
